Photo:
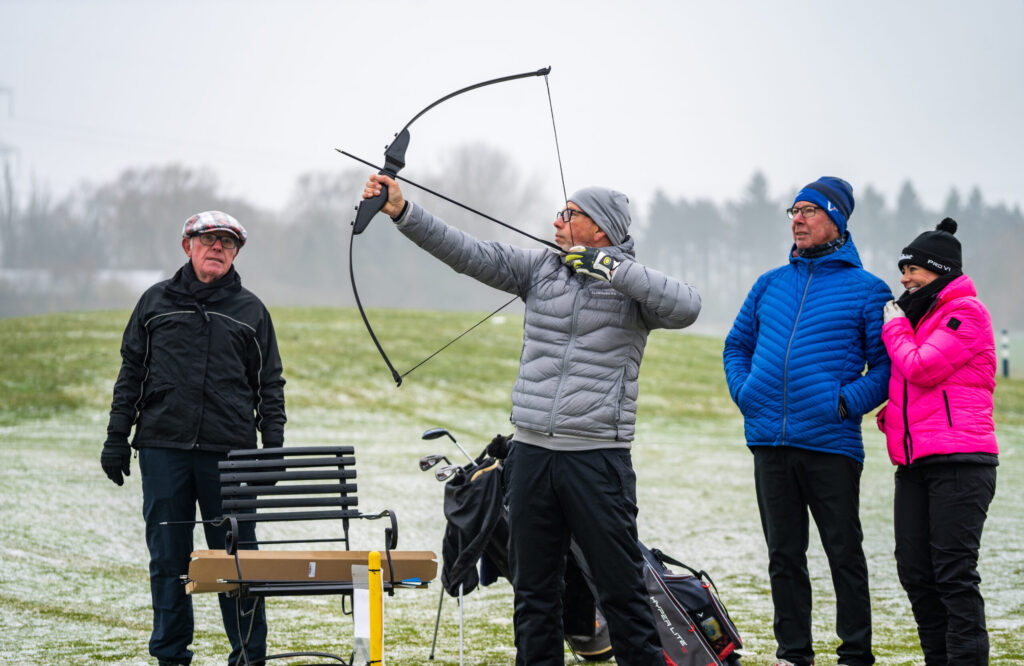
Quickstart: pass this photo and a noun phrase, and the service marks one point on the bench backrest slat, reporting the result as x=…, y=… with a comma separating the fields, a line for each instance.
x=290, y=484
x=346, y=489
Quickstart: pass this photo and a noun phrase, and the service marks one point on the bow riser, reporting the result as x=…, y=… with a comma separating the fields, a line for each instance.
x=394, y=160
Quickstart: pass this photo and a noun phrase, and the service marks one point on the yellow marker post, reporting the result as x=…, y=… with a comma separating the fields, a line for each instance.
x=376, y=609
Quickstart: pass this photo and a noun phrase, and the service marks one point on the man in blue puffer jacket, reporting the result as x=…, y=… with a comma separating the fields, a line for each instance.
x=795, y=363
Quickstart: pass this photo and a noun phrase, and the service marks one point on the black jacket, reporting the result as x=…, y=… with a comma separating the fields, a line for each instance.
x=199, y=375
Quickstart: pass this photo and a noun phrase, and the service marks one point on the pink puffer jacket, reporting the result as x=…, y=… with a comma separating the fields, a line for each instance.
x=943, y=376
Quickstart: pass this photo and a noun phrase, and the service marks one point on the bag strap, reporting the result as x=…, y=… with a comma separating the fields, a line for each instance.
x=667, y=559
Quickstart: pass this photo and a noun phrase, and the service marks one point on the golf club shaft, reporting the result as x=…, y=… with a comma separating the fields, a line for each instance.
x=463, y=451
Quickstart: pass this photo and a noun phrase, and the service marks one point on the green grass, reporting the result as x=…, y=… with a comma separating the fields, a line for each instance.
x=73, y=562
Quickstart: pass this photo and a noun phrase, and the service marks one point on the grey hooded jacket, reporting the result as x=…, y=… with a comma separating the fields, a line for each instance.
x=583, y=339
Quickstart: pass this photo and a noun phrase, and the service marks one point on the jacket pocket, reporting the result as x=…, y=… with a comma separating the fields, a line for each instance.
x=949, y=415
x=826, y=411
x=740, y=392
x=160, y=417
x=743, y=396
x=620, y=395
x=154, y=404
x=154, y=395
x=233, y=402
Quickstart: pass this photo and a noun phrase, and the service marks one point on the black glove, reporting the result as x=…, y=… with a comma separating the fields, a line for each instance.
x=116, y=457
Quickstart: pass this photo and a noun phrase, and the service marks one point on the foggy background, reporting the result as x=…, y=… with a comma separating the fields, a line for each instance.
x=120, y=119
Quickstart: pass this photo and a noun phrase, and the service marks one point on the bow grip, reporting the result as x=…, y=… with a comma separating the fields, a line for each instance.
x=370, y=207
x=394, y=160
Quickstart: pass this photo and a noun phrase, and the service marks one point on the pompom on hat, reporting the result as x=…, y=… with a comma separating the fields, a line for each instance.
x=834, y=195
x=214, y=220
x=937, y=251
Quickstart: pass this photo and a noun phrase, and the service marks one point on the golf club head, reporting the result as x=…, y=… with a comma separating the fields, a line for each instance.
x=434, y=433
x=446, y=472
x=430, y=460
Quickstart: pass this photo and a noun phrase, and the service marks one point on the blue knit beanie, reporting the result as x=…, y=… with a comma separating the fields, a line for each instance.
x=833, y=194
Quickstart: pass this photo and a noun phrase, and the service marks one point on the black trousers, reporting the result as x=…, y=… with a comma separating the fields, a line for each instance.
x=789, y=483
x=589, y=496
x=939, y=514
x=173, y=482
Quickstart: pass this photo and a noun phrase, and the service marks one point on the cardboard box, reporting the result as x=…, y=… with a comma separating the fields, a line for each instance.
x=209, y=568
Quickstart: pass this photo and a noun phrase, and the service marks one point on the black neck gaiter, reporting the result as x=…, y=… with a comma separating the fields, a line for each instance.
x=202, y=291
x=823, y=249
x=916, y=305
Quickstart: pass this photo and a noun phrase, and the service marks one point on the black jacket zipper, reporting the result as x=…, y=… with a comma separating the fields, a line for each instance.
x=908, y=441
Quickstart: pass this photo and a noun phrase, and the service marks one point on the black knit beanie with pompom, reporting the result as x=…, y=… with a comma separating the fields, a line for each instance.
x=937, y=251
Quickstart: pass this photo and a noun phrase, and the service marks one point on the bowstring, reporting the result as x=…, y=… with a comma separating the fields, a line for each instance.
x=558, y=266
x=558, y=152
x=565, y=195
x=554, y=129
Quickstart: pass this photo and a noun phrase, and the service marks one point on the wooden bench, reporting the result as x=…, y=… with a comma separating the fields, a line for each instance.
x=290, y=484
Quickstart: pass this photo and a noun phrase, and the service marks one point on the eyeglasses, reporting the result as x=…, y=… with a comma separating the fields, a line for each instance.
x=226, y=242
x=566, y=214
x=807, y=211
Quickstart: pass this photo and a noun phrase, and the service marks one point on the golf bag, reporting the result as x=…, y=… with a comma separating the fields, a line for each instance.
x=693, y=624
x=476, y=530
x=474, y=549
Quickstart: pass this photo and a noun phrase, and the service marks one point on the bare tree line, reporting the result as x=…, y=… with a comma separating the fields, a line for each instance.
x=98, y=246
x=723, y=248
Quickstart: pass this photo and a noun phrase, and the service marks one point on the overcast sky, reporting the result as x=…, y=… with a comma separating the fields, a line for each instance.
x=690, y=97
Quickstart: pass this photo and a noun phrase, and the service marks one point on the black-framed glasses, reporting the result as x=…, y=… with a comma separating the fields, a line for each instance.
x=566, y=214
x=226, y=242
x=807, y=211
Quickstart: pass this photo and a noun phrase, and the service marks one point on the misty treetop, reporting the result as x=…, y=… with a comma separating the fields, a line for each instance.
x=722, y=249
x=98, y=246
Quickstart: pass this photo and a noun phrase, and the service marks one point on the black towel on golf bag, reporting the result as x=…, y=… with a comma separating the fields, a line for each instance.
x=692, y=621
x=476, y=527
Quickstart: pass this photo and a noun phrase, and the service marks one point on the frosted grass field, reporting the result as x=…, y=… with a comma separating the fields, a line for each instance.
x=73, y=562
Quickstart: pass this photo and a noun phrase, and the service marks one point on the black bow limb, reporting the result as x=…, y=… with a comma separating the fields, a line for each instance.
x=394, y=156
x=394, y=161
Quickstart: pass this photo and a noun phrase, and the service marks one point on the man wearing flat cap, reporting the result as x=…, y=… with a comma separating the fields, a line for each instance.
x=200, y=375
x=795, y=364
x=569, y=472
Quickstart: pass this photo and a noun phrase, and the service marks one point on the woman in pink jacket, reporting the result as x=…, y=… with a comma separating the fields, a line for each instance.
x=939, y=430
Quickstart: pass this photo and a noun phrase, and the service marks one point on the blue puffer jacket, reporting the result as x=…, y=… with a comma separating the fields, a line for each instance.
x=802, y=339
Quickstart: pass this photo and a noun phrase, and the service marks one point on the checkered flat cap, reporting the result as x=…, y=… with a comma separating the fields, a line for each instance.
x=213, y=220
